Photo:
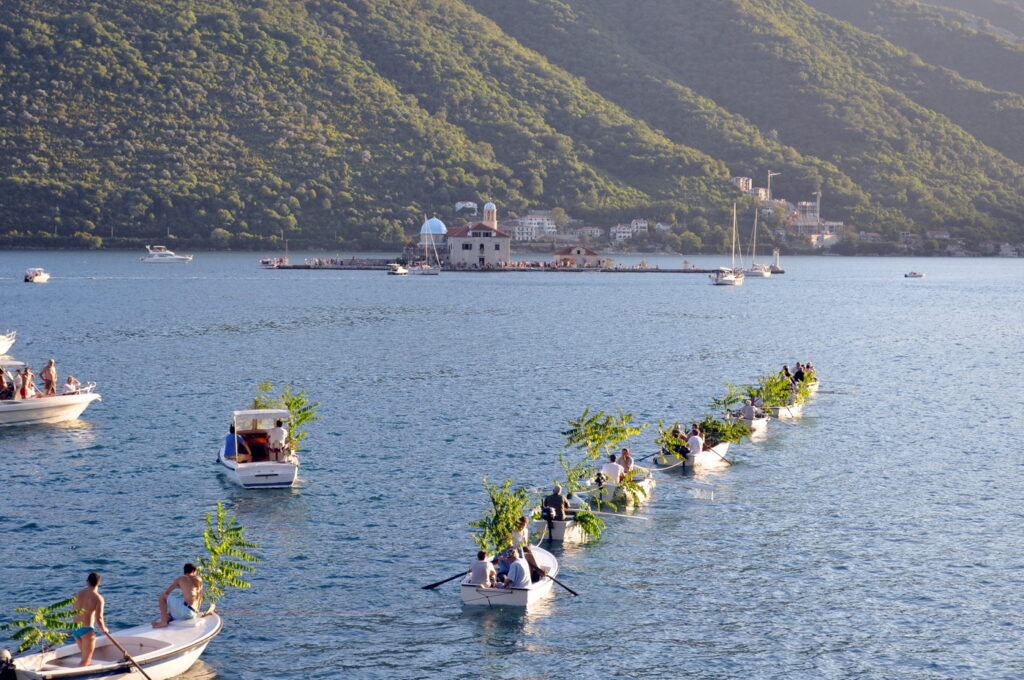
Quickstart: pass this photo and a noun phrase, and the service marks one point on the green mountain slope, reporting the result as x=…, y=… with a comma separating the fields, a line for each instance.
x=347, y=120
x=1005, y=16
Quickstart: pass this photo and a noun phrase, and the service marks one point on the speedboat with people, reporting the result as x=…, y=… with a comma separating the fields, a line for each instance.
x=395, y=269
x=161, y=653
x=7, y=340
x=160, y=254
x=487, y=596
x=913, y=275
x=273, y=262
x=40, y=408
x=36, y=275
x=249, y=453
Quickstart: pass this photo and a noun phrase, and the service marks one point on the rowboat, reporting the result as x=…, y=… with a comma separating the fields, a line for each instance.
x=913, y=275
x=561, y=531
x=794, y=410
x=614, y=494
x=262, y=472
x=713, y=457
x=474, y=595
x=162, y=652
x=813, y=385
x=6, y=340
x=755, y=425
x=38, y=410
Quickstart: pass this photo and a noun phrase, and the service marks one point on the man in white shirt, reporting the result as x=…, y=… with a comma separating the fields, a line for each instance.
x=612, y=470
x=482, y=572
x=749, y=411
x=695, y=443
x=277, y=440
x=518, y=573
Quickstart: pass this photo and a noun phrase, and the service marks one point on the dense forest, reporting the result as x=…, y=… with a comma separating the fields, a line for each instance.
x=344, y=122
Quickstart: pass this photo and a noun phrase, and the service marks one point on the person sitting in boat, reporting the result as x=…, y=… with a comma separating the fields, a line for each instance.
x=49, y=376
x=785, y=372
x=612, y=471
x=695, y=442
x=626, y=461
x=518, y=573
x=277, y=441
x=675, y=444
x=482, y=572
x=521, y=536
x=183, y=605
x=230, y=450
x=799, y=375
x=6, y=386
x=502, y=561
x=556, y=505
x=749, y=411
x=72, y=386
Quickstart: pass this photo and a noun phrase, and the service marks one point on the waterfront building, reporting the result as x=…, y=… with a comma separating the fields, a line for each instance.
x=577, y=256
x=639, y=226
x=591, y=232
x=542, y=220
x=481, y=245
x=620, y=232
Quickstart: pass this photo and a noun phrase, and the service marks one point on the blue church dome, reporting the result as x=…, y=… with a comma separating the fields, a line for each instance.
x=490, y=206
x=433, y=226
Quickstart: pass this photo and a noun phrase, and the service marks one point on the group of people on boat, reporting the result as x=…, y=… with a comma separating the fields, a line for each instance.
x=801, y=373
x=22, y=384
x=685, y=445
x=236, y=448
x=179, y=602
x=514, y=567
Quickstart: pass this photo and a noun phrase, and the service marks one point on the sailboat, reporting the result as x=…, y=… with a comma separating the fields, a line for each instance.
x=755, y=270
x=425, y=268
x=729, y=276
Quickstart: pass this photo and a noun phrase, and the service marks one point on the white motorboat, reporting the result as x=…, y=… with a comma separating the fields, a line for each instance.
x=729, y=276
x=160, y=254
x=36, y=275
x=273, y=262
x=161, y=652
x=40, y=409
x=7, y=340
x=474, y=595
x=263, y=471
x=395, y=269
x=913, y=275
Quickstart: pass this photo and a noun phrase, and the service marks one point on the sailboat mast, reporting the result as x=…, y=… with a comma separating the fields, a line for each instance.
x=734, y=236
x=753, y=242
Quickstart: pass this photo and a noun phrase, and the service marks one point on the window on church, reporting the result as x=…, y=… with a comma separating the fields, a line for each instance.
x=497, y=246
x=467, y=246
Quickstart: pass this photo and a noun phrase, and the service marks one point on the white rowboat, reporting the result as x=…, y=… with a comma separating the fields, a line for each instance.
x=611, y=493
x=561, y=531
x=788, y=411
x=710, y=458
x=162, y=652
x=473, y=595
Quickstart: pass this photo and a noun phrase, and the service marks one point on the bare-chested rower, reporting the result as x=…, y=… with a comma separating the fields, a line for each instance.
x=91, y=603
x=184, y=605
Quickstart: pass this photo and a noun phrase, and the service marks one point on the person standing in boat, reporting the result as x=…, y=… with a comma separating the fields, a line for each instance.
x=28, y=384
x=521, y=536
x=183, y=605
x=695, y=443
x=557, y=504
x=90, y=603
x=233, y=445
x=277, y=440
x=6, y=385
x=49, y=376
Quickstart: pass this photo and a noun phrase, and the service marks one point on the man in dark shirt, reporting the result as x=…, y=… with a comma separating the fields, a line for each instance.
x=558, y=503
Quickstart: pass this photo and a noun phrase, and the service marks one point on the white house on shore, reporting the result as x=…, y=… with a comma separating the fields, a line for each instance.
x=481, y=245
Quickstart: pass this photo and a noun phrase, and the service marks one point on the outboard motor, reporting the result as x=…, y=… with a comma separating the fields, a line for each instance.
x=548, y=515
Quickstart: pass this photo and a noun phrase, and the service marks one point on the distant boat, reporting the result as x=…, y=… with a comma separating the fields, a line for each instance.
x=263, y=471
x=729, y=276
x=36, y=275
x=426, y=267
x=40, y=409
x=482, y=596
x=6, y=340
x=913, y=275
x=395, y=269
x=273, y=262
x=755, y=270
x=160, y=254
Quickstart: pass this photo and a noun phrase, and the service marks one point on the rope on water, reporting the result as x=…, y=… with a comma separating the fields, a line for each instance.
x=674, y=465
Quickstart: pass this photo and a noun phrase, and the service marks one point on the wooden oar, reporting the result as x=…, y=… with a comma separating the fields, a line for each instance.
x=615, y=514
x=562, y=584
x=434, y=585
x=128, y=656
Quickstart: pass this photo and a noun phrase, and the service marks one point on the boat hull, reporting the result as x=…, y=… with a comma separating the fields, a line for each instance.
x=260, y=475
x=479, y=596
x=6, y=341
x=41, y=410
x=562, y=531
x=162, y=652
x=38, y=278
x=611, y=493
x=710, y=458
x=788, y=411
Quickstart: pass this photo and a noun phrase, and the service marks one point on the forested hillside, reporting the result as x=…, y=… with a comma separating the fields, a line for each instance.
x=346, y=121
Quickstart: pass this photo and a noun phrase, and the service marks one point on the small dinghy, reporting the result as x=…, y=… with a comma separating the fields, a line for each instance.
x=7, y=340
x=265, y=470
x=474, y=595
x=162, y=652
x=713, y=457
x=756, y=425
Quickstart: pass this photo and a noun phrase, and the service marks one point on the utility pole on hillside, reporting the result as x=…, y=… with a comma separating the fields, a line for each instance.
x=770, y=175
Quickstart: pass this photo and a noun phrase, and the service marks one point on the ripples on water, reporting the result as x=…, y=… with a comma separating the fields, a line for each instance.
x=878, y=537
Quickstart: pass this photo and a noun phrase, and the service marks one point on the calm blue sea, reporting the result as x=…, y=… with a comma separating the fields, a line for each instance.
x=879, y=537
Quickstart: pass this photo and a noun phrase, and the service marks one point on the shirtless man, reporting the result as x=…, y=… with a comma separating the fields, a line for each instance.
x=91, y=603
x=184, y=605
x=49, y=378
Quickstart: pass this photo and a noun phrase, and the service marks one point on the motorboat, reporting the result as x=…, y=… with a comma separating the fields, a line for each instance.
x=731, y=275
x=162, y=653
x=273, y=262
x=475, y=595
x=913, y=275
x=264, y=471
x=41, y=409
x=7, y=340
x=395, y=269
x=36, y=275
x=160, y=254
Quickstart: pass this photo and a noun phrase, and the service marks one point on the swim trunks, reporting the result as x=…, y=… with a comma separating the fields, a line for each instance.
x=177, y=608
x=82, y=631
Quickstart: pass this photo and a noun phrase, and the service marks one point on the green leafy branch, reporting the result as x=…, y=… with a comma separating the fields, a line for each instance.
x=297, y=403
x=600, y=433
x=45, y=626
x=228, y=558
x=502, y=518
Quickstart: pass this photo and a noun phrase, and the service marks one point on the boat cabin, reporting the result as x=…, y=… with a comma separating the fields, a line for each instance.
x=253, y=426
